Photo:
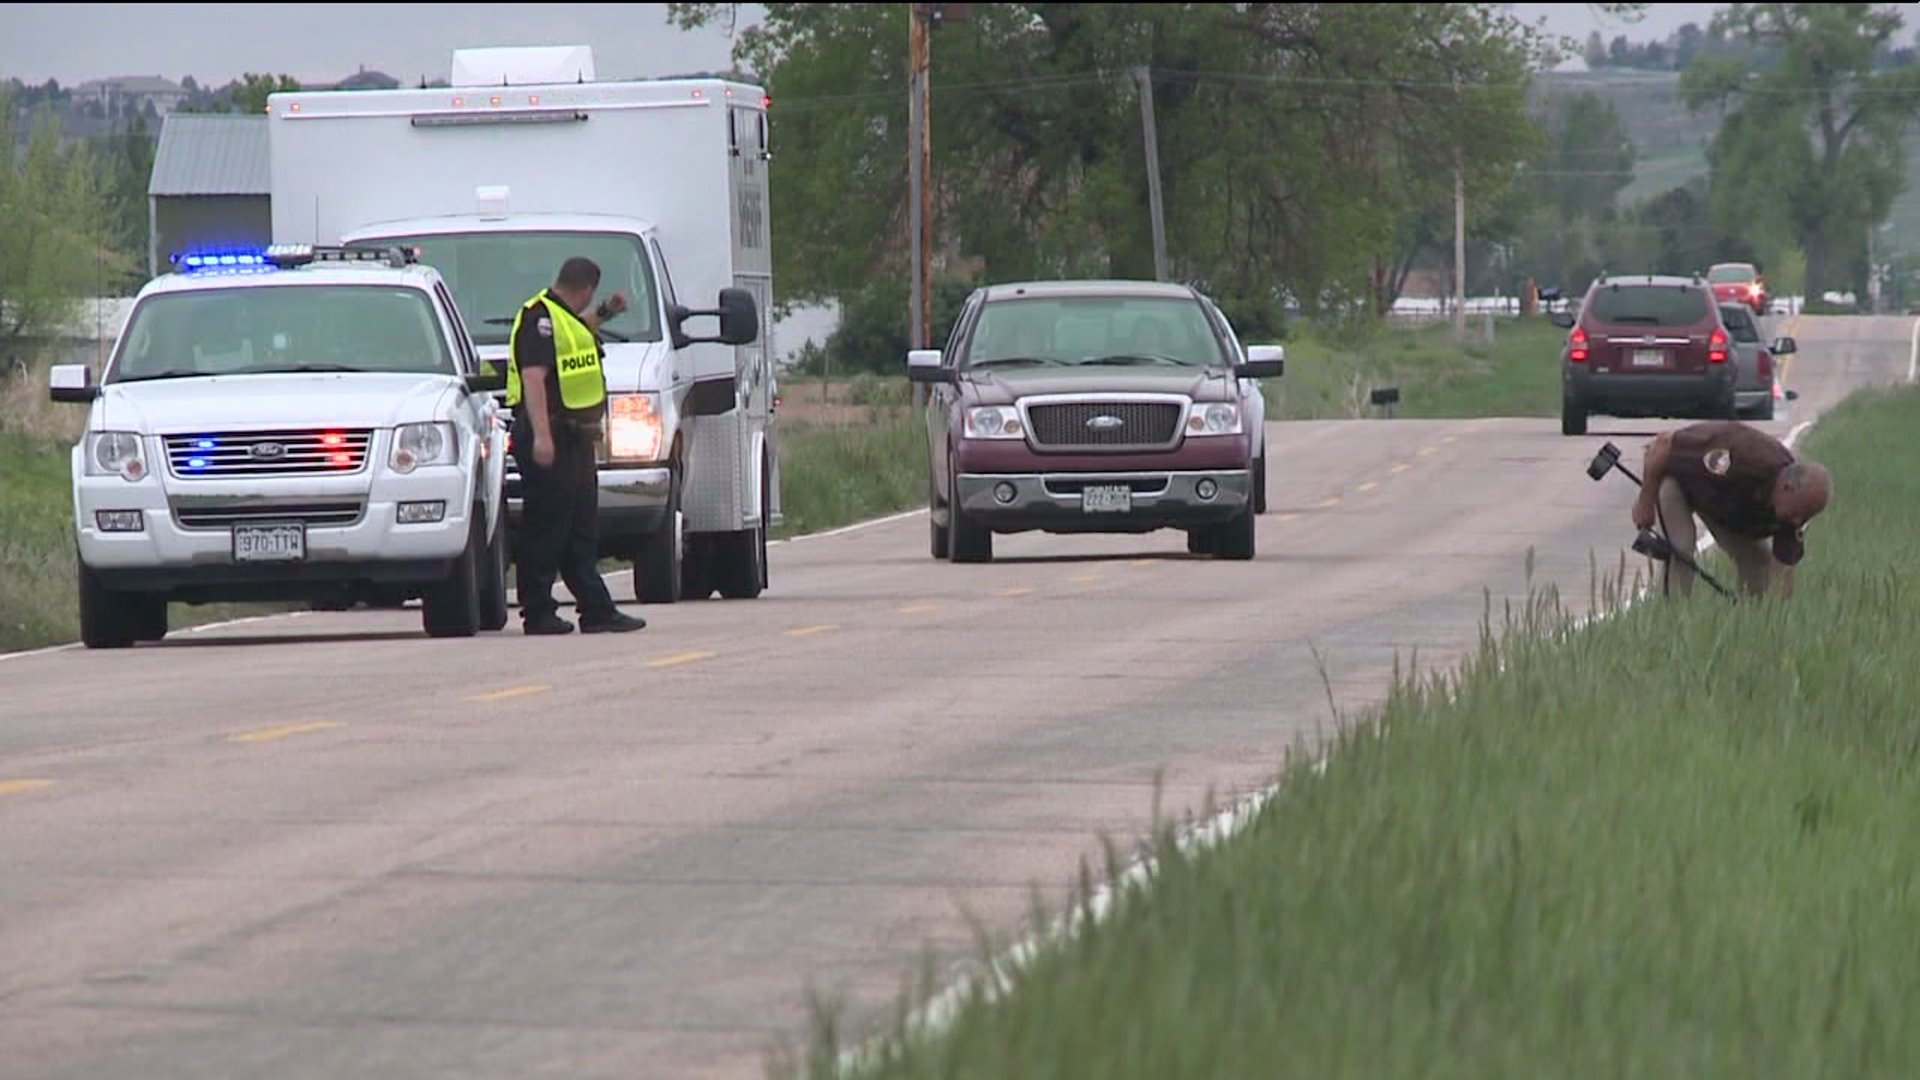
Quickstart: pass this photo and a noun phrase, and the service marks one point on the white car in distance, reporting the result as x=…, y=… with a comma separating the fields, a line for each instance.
x=300, y=424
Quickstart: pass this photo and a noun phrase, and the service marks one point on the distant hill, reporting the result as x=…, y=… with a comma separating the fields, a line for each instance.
x=1670, y=142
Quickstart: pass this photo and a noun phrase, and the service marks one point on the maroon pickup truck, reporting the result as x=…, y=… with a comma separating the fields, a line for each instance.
x=1094, y=407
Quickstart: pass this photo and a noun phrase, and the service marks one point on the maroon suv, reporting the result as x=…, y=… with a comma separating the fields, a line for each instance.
x=1646, y=346
x=1093, y=407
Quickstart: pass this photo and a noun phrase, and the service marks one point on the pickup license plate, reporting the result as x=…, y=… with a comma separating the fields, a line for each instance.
x=1106, y=499
x=269, y=543
x=1649, y=358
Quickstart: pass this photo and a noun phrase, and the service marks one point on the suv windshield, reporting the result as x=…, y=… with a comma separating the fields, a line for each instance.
x=282, y=328
x=1094, y=330
x=1720, y=275
x=1739, y=323
x=1650, y=305
x=493, y=274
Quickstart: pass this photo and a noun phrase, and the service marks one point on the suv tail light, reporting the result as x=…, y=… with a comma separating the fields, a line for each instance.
x=1717, y=346
x=1577, y=345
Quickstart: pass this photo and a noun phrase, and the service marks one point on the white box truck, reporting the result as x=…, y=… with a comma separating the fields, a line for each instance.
x=527, y=160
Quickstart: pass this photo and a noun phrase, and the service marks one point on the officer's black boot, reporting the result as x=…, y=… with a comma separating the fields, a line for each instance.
x=616, y=623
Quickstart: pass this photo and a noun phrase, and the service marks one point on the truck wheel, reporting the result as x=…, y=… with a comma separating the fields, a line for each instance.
x=697, y=556
x=451, y=608
x=658, y=572
x=108, y=619
x=743, y=572
x=1260, y=482
x=1573, y=418
x=966, y=541
x=494, y=611
x=1235, y=539
x=936, y=532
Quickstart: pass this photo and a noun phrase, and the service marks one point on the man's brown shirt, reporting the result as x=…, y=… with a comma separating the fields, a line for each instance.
x=1727, y=471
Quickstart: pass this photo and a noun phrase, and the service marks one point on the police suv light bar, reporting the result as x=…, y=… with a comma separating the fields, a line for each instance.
x=291, y=255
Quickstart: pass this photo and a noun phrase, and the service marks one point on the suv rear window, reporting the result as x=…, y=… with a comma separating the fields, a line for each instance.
x=1650, y=305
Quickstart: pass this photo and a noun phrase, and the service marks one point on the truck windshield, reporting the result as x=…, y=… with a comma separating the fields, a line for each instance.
x=1095, y=330
x=273, y=329
x=493, y=274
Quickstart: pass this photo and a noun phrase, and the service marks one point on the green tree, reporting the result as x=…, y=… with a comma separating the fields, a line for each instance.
x=247, y=94
x=1812, y=140
x=51, y=212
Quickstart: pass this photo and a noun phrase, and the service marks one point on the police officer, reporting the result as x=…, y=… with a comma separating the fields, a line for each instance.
x=558, y=397
x=1746, y=486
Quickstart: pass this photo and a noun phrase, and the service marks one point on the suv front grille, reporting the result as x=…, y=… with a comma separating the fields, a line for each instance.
x=1105, y=425
x=225, y=454
x=199, y=514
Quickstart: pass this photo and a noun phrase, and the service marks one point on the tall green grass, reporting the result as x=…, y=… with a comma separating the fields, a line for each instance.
x=837, y=474
x=1675, y=843
x=1515, y=373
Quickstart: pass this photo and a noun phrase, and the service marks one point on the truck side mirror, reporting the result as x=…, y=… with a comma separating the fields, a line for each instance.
x=1263, y=362
x=923, y=366
x=71, y=383
x=739, y=321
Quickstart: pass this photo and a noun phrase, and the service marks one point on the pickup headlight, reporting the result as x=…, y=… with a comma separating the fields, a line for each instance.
x=1217, y=418
x=993, y=422
x=115, y=453
x=415, y=445
x=634, y=430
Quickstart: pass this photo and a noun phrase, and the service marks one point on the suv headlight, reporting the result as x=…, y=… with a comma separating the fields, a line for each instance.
x=634, y=429
x=415, y=445
x=115, y=453
x=1217, y=418
x=994, y=422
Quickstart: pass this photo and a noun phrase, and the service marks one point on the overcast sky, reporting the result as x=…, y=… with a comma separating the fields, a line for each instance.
x=217, y=42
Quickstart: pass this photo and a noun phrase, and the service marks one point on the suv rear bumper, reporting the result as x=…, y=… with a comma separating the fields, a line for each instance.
x=1628, y=394
x=1051, y=501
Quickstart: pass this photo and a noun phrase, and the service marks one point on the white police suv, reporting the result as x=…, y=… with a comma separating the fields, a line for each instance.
x=300, y=424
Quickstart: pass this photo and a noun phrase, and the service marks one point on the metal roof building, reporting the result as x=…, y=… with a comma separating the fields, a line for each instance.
x=210, y=186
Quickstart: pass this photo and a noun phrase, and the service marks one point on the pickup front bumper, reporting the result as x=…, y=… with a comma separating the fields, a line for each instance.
x=1109, y=502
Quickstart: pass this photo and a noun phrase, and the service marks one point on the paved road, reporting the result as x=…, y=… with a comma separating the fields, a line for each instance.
x=325, y=846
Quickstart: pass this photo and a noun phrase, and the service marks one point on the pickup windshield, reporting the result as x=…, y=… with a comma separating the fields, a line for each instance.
x=282, y=328
x=492, y=274
x=1094, y=331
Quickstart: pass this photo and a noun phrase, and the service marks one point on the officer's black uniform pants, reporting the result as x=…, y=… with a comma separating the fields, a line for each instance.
x=560, y=527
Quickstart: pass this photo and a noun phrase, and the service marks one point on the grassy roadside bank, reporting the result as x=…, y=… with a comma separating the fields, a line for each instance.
x=1517, y=374
x=1676, y=843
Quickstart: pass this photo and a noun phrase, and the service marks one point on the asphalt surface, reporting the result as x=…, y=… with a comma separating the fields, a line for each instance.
x=326, y=846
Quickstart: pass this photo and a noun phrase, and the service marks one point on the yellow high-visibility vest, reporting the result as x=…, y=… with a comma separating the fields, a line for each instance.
x=576, y=356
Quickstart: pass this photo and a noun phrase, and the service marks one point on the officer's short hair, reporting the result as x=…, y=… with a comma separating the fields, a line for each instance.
x=578, y=272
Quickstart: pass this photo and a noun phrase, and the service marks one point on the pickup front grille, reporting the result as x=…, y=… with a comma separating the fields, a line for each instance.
x=1104, y=425
x=227, y=454
x=219, y=515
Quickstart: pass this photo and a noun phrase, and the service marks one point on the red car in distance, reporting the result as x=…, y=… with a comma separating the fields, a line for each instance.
x=1739, y=283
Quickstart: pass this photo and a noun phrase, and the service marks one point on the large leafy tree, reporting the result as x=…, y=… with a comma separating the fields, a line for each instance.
x=1302, y=146
x=1813, y=141
x=52, y=231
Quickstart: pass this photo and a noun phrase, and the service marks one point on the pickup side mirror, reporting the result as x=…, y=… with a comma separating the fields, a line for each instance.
x=71, y=383
x=490, y=378
x=1263, y=362
x=1785, y=346
x=1562, y=319
x=739, y=320
x=923, y=366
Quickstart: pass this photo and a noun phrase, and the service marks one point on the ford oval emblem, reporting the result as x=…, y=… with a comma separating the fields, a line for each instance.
x=268, y=450
x=1104, y=423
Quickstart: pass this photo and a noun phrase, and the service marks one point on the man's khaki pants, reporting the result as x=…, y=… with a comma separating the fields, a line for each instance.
x=1753, y=558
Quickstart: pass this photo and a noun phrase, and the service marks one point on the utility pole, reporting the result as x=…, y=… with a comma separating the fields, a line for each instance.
x=919, y=204
x=1145, y=77
x=1459, y=254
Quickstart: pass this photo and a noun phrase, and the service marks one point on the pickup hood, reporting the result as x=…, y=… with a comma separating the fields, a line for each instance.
x=217, y=402
x=630, y=365
x=1001, y=386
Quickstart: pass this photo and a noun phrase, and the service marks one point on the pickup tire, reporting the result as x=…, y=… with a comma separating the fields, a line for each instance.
x=659, y=573
x=1235, y=539
x=116, y=620
x=936, y=533
x=494, y=610
x=451, y=608
x=966, y=541
x=1260, y=482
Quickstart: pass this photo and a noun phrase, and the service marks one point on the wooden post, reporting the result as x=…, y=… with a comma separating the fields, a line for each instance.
x=919, y=203
x=1152, y=140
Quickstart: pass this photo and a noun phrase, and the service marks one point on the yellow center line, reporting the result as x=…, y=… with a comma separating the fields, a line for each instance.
x=916, y=609
x=1428, y=450
x=1286, y=517
x=1327, y=504
x=1142, y=562
x=809, y=631
x=1095, y=576
x=1448, y=438
x=1368, y=486
x=510, y=692
x=681, y=658
x=1400, y=467
x=281, y=732
x=15, y=787
x=1018, y=591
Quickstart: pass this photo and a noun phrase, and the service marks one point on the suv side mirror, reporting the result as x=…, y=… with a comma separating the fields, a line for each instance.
x=1562, y=319
x=490, y=378
x=71, y=383
x=1784, y=346
x=1263, y=362
x=739, y=320
x=923, y=366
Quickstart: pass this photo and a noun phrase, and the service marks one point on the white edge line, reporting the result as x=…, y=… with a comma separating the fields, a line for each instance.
x=1913, y=354
x=932, y=1019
